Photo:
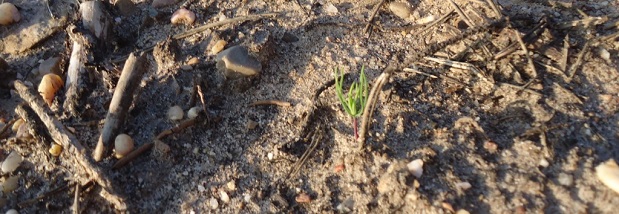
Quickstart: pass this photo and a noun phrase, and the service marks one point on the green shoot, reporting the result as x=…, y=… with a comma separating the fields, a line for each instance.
x=354, y=102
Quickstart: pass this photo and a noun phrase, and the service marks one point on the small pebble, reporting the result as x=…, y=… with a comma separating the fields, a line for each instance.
x=12, y=211
x=462, y=211
x=224, y=196
x=463, y=185
x=231, y=186
x=186, y=67
x=123, y=145
x=183, y=16
x=339, y=168
x=55, y=150
x=219, y=45
x=247, y=197
x=544, y=163
x=9, y=14
x=175, y=113
x=491, y=146
x=270, y=156
x=213, y=203
x=608, y=174
x=565, y=179
x=415, y=167
x=330, y=9
x=201, y=188
x=193, y=112
x=303, y=198
x=251, y=124
x=12, y=162
x=400, y=9
x=10, y=184
x=193, y=61
x=604, y=54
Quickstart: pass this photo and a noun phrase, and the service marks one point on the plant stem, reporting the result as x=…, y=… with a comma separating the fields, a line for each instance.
x=354, y=127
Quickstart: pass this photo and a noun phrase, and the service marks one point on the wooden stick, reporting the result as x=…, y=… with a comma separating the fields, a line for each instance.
x=374, y=12
x=121, y=101
x=34, y=124
x=462, y=14
x=371, y=103
x=270, y=102
x=76, y=76
x=135, y=153
x=62, y=136
x=76, y=200
x=527, y=54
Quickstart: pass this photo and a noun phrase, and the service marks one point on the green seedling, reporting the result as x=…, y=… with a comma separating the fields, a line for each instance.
x=357, y=96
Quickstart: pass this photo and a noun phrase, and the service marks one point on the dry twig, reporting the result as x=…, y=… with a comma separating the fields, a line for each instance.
x=371, y=103
x=527, y=54
x=465, y=17
x=374, y=12
x=76, y=151
x=270, y=102
x=121, y=101
x=147, y=146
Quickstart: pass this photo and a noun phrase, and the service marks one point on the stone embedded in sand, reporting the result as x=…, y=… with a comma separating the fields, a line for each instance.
x=9, y=14
x=163, y=3
x=10, y=184
x=183, y=16
x=400, y=9
x=608, y=173
x=463, y=185
x=415, y=167
x=12, y=162
x=235, y=62
x=213, y=203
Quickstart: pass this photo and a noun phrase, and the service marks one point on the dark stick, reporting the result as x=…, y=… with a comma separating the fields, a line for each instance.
x=121, y=101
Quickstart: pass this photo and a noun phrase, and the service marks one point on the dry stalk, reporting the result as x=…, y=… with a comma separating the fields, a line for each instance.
x=270, y=102
x=121, y=101
x=371, y=103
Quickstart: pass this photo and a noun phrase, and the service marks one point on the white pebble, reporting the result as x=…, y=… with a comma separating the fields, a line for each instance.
x=224, y=196
x=565, y=179
x=9, y=14
x=415, y=167
x=123, y=145
x=270, y=156
x=175, y=113
x=463, y=185
x=400, y=9
x=544, y=163
x=193, y=112
x=12, y=162
x=201, y=188
x=12, y=211
x=608, y=173
x=604, y=54
x=214, y=204
x=247, y=197
x=231, y=186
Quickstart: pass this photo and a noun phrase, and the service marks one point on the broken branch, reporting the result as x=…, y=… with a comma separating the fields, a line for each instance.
x=121, y=101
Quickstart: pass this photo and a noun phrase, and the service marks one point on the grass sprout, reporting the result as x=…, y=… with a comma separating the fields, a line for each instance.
x=357, y=96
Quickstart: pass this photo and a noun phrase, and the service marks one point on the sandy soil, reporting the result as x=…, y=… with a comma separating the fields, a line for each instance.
x=525, y=149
